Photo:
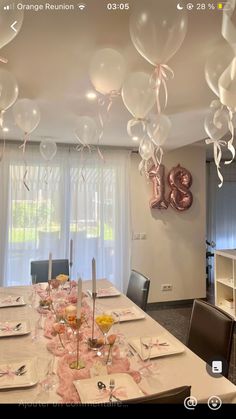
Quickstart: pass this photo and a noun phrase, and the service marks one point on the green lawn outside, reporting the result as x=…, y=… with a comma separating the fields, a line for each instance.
x=22, y=235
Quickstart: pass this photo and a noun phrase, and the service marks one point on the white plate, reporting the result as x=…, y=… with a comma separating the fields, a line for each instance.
x=125, y=388
x=105, y=292
x=29, y=379
x=161, y=346
x=126, y=314
x=7, y=328
x=11, y=301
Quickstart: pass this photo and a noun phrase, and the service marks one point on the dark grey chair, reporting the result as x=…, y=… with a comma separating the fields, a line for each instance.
x=210, y=333
x=138, y=289
x=39, y=268
x=173, y=396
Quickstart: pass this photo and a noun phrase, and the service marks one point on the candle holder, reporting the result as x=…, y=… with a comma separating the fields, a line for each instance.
x=94, y=343
x=78, y=364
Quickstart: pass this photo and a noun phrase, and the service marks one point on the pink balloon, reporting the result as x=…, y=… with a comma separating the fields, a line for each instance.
x=157, y=177
x=180, y=180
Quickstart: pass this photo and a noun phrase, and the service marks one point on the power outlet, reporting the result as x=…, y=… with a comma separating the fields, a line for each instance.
x=166, y=287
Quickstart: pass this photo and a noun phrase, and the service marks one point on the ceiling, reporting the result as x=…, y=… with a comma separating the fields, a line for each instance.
x=50, y=58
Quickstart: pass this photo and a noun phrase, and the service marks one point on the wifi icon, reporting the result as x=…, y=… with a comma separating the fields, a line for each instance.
x=81, y=6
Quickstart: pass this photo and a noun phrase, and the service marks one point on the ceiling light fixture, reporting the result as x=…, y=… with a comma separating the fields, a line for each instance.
x=91, y=95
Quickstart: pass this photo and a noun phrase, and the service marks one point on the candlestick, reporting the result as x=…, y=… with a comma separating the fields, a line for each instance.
x=50, y=267
x=94, y=301
x=79, y=298
x=71, y=253
x=93, y=276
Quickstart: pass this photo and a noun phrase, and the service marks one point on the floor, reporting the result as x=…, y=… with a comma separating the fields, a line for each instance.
x=176, y=320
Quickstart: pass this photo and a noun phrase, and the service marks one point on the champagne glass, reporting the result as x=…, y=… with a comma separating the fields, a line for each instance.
x=104, y=321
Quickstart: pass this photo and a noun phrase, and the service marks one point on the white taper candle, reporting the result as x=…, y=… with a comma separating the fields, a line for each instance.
x=50, y=267
x=79, y=298
x=71, y=251
x=93, y=276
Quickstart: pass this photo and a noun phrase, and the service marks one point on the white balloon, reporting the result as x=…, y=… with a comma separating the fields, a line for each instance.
x=146, y=149
x=216, y=126
x=159, y=129
x=107, y=70
x=27, y=115
x=8, y=89
x=157, y=29
x=138, y=94
x=218, y=60
x=48, y=149
x=86, y=129
x=7, y=18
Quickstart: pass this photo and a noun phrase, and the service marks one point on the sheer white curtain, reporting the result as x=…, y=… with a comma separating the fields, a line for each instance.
x=75, y=196
x=221, y=219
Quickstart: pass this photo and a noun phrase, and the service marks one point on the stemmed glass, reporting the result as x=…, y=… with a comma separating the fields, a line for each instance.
x=33, y=292
x=105, y=321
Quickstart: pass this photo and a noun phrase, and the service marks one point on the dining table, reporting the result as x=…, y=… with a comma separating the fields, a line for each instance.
x=168, y=370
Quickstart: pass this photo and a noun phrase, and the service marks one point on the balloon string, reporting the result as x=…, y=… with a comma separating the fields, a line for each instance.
x=3, y=60
x=23, y=146
x=160, y=75
x=3, y=149
x=1, y=119
x=24, y=178
x=217, y=156
x=230, y=142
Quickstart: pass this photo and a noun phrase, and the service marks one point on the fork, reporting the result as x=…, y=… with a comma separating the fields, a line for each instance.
x=20, y=371
x=111, y=387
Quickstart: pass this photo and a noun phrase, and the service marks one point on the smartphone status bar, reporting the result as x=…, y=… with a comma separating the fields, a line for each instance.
x=221, y=6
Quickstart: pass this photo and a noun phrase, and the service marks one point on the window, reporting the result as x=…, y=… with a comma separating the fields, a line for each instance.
x=81, y=199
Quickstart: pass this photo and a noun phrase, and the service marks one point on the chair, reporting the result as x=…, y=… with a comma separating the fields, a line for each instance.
x=210, y=333
x=138, y=289
x=173, y=396
x=39, y=268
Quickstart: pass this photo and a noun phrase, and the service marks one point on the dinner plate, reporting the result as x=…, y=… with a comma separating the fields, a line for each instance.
x=125, y=388
x=126, y=314
x=160, y=346
x=11, y=301
x=11, y=380
x=10, y=328
x=105, y=292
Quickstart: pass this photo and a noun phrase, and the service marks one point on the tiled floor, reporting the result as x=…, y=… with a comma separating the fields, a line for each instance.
x=176, y=320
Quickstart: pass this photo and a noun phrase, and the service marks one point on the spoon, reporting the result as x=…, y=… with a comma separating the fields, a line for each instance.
x=17, y=327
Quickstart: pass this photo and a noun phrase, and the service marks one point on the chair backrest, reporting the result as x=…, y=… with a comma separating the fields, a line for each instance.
x=210, y=333
x=138, y=289
x=39, y=268
x=173, y=396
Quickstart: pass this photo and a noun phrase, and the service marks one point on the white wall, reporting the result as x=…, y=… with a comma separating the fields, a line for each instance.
x=174, y=251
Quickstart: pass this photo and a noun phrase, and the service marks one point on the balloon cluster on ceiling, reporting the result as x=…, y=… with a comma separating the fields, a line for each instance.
x=157, y=32
x=220, y=73
x=26, y=111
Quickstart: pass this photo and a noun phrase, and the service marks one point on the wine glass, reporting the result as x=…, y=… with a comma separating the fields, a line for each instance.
x=104, y=321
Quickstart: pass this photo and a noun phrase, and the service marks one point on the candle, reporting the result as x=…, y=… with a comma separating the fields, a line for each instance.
x=50, y=267
x=79, y=298
x=71, y=252
x=93, y=276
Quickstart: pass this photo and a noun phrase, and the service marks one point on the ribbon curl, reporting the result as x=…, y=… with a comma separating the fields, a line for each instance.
x=217, y=155
x=160, y=75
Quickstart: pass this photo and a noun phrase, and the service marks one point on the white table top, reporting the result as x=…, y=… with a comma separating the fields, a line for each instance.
x=173, y=371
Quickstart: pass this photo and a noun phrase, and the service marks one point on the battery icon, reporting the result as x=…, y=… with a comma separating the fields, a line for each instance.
x=224, y=6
